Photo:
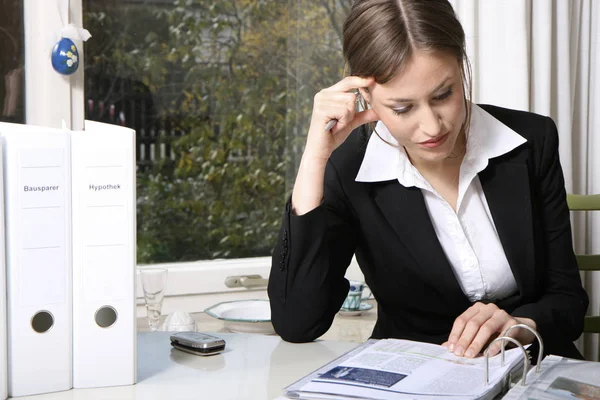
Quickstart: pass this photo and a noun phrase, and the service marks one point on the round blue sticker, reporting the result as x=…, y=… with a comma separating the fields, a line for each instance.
x=65, y=57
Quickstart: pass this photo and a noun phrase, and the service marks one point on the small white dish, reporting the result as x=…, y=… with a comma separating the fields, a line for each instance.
x=363, y=307
x=244, y=316
x=179, y=321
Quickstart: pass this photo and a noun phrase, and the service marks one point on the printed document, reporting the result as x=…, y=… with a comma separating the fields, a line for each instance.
x=395, y=369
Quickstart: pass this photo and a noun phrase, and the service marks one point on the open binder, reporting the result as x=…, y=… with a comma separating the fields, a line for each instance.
x=391, y=369
x=559, y=378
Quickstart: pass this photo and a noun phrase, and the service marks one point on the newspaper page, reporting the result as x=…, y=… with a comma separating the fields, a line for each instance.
x=394, y=369
x=560, y=378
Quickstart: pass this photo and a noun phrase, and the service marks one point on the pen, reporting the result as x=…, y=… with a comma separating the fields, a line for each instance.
x=330, y=124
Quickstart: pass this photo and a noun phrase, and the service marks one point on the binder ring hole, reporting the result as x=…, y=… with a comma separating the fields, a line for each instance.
x=106, y=316
x=42, y=321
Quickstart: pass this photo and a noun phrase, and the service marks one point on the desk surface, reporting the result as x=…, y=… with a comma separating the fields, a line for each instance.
x=253, y=367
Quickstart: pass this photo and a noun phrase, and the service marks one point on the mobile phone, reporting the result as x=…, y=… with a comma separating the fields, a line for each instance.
x=200, y=344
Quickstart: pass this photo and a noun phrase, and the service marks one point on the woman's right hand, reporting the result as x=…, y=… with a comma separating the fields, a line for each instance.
x=336, y=103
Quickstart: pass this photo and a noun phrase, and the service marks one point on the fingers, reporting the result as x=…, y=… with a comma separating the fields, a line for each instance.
x=340, y=131
x=335, y=105
x=488, y=329
x=352, y=82
x=459, y=325
x=338, y=103
x=476, y=327
x=329, y=105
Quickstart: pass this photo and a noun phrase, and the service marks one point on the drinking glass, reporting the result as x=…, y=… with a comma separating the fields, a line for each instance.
x=154, y=282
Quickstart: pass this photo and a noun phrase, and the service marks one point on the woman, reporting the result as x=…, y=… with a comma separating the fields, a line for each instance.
x=457, y=213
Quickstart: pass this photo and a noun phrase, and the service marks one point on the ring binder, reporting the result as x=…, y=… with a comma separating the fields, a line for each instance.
x=37, y=212
x=103, y=179
x=505, y=338
x=487, y=358
x=537, y=335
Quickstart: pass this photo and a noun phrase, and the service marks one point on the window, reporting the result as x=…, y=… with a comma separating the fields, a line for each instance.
x=12, y=60
x=220, y=95
x=204, y=86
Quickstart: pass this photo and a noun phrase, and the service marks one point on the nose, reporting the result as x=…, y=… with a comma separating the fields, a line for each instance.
x=430, y=122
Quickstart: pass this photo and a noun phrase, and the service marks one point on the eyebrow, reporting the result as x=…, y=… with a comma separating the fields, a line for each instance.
x=399, y=100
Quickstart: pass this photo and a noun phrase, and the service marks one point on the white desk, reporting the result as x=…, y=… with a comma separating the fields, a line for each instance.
x=252, y=367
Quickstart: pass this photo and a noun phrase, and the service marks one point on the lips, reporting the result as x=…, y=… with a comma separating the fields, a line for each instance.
x=438, y=141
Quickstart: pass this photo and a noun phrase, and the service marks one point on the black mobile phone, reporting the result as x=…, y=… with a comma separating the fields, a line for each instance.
x=200, y=344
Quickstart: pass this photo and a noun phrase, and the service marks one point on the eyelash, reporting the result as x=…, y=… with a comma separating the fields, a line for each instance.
x=441, y=97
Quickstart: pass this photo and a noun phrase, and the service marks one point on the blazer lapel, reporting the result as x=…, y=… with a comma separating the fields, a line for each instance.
x=507, y=191
x=406, y=211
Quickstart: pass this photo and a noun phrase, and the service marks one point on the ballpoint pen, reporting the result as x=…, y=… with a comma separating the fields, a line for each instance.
x=330, y=124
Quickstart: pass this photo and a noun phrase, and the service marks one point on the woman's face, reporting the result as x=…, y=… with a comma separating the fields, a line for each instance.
x=423, y=107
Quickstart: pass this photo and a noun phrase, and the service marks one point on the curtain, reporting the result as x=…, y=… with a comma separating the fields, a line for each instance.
x=544, y=56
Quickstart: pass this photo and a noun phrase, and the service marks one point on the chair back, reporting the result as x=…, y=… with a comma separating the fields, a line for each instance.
x=587, y=262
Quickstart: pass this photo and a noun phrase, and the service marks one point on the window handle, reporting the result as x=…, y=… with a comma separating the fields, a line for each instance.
x=246, y=281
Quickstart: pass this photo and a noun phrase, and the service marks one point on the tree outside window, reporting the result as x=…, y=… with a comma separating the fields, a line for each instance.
x=220, y=95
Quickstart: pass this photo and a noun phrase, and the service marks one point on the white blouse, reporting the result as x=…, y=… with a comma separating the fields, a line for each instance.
x=467, y=236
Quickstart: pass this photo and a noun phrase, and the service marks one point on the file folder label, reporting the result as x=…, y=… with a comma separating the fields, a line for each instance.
x=106, y=158
x=41, y=181
x=48, y=268
x=36, y=158
x=42, y=216
x=105, y=186
x=42, y=227
x=103, y=264
x=103, y=226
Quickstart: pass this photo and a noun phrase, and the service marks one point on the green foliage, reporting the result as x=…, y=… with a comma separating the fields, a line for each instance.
x=238, y=78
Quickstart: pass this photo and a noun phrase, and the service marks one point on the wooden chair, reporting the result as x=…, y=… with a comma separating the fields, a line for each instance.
x=587, y=262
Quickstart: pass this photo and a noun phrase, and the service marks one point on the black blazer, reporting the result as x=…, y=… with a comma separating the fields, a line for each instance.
x=388, y=227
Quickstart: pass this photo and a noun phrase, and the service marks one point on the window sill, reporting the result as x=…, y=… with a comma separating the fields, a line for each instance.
x=204, y=277
x=194, y=286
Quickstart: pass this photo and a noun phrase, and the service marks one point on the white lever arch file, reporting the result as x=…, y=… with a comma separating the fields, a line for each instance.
x=3, y=352
x=104, y=259
x=37, y=197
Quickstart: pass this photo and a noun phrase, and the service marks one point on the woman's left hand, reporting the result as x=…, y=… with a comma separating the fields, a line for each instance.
x=481, y=323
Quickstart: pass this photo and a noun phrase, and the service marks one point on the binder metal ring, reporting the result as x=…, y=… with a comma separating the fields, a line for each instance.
x=487, y=358
x=539, y=338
